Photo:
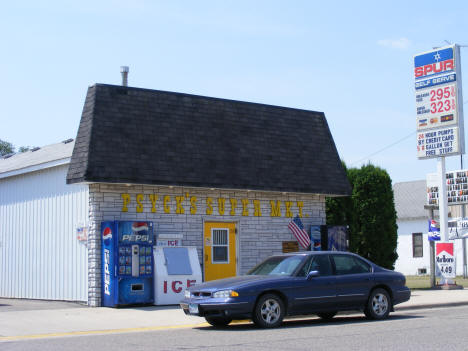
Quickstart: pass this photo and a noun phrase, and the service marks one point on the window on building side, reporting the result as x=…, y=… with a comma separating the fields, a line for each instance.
x=417, y=245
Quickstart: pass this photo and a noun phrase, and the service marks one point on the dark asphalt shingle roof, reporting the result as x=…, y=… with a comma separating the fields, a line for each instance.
x=141, y=136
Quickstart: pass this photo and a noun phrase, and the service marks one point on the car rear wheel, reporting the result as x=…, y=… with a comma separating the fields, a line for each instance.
x=327, y=315
x=269, y=311
x=218, y=321
x=378, y=305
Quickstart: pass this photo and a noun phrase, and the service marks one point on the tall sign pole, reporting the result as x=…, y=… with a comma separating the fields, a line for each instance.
x=463, y=214
x=439, y=118
x=431, y=247
x=443, y=202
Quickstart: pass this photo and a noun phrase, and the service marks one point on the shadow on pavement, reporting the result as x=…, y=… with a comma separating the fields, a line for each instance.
x=307, y=322
x=150, y=307
x=13, y=305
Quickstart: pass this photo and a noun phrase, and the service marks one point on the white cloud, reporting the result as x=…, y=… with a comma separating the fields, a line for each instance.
x=401, y=43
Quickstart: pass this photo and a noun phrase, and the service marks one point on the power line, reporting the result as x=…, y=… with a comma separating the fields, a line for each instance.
x=385, y=148
x=389, y=146
x=396, y=142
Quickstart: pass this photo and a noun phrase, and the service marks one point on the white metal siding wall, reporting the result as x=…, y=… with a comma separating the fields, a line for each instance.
x=40, y=257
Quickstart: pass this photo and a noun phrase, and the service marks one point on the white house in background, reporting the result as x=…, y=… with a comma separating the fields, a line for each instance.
x=412, y=220
x=40, y=255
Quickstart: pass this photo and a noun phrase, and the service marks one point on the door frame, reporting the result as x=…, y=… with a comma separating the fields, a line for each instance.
x=236, y=241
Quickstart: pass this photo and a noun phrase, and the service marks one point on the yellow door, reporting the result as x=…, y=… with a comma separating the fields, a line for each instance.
x=219, y=248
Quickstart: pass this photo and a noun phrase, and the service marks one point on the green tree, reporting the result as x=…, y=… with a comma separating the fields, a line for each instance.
x=370, y=214
x=24, y=148
x=339, y=209
x=373, y=227
x=6, y=148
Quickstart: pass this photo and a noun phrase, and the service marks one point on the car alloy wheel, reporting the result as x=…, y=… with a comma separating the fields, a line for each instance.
x=378, y=305
x=269, y=311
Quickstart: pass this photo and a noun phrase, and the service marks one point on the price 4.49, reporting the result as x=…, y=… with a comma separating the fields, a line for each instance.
x=446, y=269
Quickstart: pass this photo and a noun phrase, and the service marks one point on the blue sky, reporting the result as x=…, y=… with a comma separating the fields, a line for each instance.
x=351, y=60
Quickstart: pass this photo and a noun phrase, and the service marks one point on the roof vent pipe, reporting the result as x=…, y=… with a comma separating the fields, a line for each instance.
x=124, y=71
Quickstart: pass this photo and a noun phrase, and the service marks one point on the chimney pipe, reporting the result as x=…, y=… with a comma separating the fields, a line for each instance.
x=124, y=71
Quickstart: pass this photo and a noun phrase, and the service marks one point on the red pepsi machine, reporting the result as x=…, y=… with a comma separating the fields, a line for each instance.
x=127, y=263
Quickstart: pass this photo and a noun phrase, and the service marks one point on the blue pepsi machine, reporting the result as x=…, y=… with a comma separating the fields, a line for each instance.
x=127, y=263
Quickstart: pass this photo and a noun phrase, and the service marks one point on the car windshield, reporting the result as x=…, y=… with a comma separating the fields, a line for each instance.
x=278, y=265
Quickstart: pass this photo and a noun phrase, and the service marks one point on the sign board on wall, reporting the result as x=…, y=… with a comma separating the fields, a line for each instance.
x=457, y=188
x=82, y=233
x=439, y=103
x=169, y=240
x=338, y=238
x=290, y=246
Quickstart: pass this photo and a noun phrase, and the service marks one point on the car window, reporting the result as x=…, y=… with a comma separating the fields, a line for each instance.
x=365, y=266
x=322, y=264
x=287, y=267
x=350, y=265
x=305, y=268
x=278, y=265
x=319, y=263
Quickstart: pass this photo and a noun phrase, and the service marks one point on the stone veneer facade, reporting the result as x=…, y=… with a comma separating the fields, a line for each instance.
x=259, y=234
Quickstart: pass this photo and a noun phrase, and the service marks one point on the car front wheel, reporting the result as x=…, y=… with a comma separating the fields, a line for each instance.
x=269, y=311
x=218, y=321
x=378, y=305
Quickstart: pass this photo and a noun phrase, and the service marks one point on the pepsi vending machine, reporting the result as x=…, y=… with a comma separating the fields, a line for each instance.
x=127, y=263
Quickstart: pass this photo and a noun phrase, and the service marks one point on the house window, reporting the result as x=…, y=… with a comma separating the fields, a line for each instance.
x=417, y=245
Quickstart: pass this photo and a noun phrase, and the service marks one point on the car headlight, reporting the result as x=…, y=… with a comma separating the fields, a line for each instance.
x=187, y=294
x=224, y=294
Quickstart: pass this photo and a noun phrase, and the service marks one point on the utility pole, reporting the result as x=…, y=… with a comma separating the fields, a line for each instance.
x=431, y=209
x=463, y=214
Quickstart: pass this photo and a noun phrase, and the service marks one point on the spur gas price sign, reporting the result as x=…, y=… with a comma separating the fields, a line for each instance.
x=439, y=119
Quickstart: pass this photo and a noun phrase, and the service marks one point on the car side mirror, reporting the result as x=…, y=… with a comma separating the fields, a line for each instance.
x=312, y=274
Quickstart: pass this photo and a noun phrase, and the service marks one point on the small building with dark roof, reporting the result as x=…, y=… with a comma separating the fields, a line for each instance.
x=191, y=164
x=194, y=166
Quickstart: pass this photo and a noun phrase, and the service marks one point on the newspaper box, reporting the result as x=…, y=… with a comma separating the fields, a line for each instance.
x=175, y=269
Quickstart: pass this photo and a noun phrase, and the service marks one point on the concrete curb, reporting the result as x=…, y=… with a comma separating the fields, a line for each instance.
x=431, y=305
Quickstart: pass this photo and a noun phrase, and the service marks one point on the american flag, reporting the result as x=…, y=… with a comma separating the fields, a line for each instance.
x=297, y=229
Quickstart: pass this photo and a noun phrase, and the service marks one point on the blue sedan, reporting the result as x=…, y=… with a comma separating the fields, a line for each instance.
x=321, y=282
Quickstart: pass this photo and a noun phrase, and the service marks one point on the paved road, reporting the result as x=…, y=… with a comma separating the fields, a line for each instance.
x=430, y=329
